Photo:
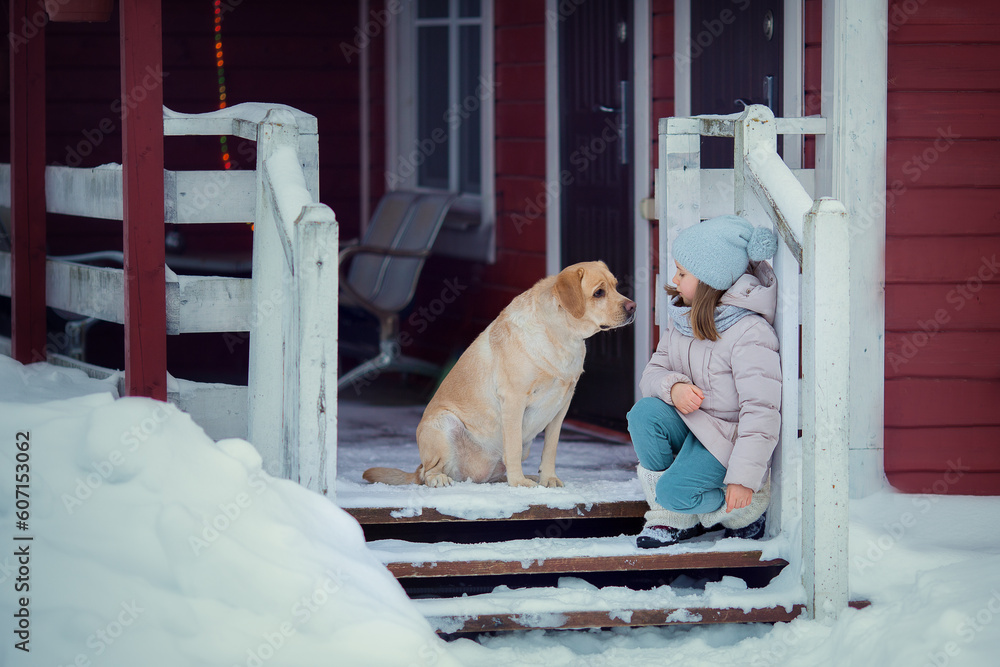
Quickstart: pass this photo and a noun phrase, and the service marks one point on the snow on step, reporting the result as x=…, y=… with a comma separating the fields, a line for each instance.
x=470, y=501
x=594, y=554
x=576, y=603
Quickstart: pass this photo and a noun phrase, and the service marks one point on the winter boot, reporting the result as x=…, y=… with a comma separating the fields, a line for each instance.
x=663, y=527
x=746, y=521
x=754, y=531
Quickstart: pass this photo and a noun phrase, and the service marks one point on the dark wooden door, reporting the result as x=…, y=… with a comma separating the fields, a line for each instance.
x=595, y=70
x=735, y=59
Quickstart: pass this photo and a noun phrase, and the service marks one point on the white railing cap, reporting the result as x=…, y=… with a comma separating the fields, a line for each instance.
x=710, y=125
x=239, y=120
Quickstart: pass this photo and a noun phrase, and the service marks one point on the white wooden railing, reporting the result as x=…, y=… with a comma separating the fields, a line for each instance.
x=810, y=471
x=289, y=410
x=295, y=250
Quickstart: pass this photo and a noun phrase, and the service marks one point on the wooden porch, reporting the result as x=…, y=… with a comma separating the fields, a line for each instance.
x=487, y=557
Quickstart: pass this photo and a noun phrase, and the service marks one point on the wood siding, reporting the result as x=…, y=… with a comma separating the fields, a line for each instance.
x=942, y=426
x=812, y=73
x=521, y=193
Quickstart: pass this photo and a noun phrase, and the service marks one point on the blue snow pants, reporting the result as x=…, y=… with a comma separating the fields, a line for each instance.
x=693, y=479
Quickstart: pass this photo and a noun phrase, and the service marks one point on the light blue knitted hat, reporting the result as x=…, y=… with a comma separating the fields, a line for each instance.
x=718, y=250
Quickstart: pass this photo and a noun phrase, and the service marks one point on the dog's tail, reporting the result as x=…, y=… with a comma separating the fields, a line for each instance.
x=394, y=476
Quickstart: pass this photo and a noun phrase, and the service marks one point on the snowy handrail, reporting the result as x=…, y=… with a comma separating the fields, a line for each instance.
x=815, y=234
x=294, y=276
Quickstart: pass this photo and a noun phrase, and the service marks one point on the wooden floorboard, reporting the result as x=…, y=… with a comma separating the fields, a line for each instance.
x=651, y=561
x=614, y=510
x=569, y=620
x=605, y=619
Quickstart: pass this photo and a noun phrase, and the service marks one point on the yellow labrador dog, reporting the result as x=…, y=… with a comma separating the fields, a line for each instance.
x=516, y=379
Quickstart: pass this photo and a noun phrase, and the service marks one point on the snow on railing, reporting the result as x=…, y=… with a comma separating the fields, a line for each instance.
x=815, y=236
x=294, y=271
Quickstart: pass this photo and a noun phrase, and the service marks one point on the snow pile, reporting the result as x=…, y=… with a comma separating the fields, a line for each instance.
x=152, y=545
x=39, y=383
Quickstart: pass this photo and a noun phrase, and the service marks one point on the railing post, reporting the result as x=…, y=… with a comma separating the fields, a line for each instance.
x=314, y=317
x=27, y=189
x=826, y=427
x=754, y=128
x=142, y=201
x=272, y=281
x=678, y=193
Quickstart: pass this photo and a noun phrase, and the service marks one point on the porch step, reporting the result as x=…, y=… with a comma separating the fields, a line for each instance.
x=584, y=583
x=469, y=617
x=570, y=568
x=408, y=560
x=512, y=577
x=622, y=509
x=558, y=609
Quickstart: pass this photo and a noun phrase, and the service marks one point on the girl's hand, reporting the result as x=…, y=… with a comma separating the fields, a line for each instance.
x=737, y=496
x=686, y=397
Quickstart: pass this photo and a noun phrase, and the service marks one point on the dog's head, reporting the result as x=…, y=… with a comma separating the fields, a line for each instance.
x=588, y=292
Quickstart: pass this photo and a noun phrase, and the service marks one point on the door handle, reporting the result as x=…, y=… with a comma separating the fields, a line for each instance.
x=769, y=91
x=623, y=123
x=622, y=112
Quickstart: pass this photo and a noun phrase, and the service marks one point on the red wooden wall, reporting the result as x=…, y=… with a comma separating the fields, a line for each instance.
x=942, y=390
x=520, y=154
x=812, y=72
x=376, y=108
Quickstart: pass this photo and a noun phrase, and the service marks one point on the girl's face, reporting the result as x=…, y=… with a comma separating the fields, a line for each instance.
x=686, y=284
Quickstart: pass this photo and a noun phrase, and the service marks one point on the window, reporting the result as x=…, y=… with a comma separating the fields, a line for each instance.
x=440, y=102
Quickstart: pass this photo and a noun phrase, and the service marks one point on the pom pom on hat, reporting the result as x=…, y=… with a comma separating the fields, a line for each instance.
x=762, y=245
x=717, y=251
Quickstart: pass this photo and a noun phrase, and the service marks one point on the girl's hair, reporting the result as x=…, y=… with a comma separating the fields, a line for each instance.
x=706, y=298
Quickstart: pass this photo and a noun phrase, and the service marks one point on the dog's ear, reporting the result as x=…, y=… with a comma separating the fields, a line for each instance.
x=569, y=291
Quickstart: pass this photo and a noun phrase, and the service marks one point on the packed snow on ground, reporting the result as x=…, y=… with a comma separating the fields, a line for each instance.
x=153, y=545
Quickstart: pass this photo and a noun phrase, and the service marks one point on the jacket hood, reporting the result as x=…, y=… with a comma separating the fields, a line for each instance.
x=755, y=290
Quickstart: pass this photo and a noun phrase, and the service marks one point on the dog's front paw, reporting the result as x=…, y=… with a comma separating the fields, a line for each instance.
x=521, y=481
x=437, y=479
x=551, y=482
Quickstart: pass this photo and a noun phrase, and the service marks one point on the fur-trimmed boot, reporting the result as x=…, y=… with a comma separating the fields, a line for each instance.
x=746, y=522
x=663, y=527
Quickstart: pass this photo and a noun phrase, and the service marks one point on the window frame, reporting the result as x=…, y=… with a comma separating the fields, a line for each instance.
x=401, y=108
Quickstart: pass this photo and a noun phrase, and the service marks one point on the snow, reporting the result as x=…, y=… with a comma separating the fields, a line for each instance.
x=541, y=548
x=250, y=112
x=782, y=187
x=154, y=545
x=254, y=112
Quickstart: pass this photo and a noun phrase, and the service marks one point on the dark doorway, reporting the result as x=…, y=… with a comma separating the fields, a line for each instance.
x=735, y=60
x=595, y=70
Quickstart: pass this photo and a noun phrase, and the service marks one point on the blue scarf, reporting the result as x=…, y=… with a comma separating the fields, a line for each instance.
x=725, y=316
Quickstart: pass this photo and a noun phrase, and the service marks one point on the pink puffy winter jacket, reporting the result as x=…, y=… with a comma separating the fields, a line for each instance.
x=740, y=374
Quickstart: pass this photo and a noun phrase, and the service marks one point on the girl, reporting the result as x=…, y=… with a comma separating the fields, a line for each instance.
x=705, y=431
